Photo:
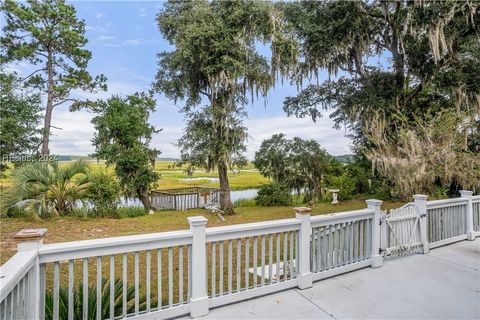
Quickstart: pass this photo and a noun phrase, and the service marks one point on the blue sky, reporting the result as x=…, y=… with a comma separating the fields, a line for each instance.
x=124, y=40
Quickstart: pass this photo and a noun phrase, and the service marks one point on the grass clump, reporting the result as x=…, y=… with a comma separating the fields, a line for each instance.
x=129, y=212
x=243, y=203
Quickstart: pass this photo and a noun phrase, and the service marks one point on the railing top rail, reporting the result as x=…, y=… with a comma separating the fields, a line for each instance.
x=126, y=244
x=341, y=217
x=406, y=205
x=476, y=198
x=445, y=202
x=251, y=229
x=180, y=191
x=14, y=270
x=113, y=245
x=176, y=194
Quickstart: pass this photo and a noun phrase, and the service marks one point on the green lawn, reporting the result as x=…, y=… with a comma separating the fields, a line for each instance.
x=72, y=228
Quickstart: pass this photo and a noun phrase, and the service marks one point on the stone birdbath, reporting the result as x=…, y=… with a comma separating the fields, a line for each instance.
x=334, y=195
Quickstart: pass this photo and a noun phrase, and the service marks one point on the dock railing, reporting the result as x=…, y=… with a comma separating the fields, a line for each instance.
x=163, y=275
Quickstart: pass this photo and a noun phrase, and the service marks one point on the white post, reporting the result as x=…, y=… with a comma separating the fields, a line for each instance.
x=383, y=232
x=199, y=296
x=468, y=195
x=420, y=201
x=32, y=240
x=305, y=278
x=377, y=258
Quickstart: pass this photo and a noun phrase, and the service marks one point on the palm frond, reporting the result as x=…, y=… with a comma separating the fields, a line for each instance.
x=46, y=189
x=76, y=168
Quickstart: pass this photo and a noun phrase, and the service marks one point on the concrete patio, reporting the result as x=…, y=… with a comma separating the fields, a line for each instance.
x=444, y=284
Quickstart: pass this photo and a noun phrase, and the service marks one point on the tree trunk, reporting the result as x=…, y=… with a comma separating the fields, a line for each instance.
x=318, y=190
x=226, y=204
x=317, y=187
x=145, y=199
x=48, y=112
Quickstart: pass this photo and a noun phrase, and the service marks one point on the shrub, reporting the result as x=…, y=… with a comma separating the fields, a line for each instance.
x=92, y=296
x=298, y=199
x=104, y=193
x=44, y=189
x=15, y=212
x=130, y=212
x=83, y=212
x=273, y=195
x=345, y=184
x=244, y=203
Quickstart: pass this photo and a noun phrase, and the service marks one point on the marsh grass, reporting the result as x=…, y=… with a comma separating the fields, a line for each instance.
x=240, y=181
x=171, y=176
x=244, y=203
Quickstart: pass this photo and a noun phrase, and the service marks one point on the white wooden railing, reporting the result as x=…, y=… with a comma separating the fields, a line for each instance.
x=452, y=220
x=169, y=274
x=20, y=279
x=423, y=225
x=476, y=214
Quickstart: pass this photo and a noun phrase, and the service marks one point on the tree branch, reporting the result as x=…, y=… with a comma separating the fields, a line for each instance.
x=63, y=101
x=41, y=54
x=31, y=74
x=205, y=93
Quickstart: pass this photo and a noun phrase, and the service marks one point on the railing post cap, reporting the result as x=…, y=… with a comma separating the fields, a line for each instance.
x=197, y=221
x=28, y=235
x=302, y=210
x=374, y=202
x=420, y=196
x=466, y=193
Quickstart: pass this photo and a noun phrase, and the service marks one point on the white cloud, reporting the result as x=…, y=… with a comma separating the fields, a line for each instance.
x=132, y=42
x=120, y=88
x=139, y=42
x=334, y=141
x=166, y=140
x=105, y=38
x=99, y=15
x=110, y=41
x=76, y=132
x=143, y=12
x=95, y=29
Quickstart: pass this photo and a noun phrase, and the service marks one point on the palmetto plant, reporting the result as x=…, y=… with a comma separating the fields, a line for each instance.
x=92, y=301
x=45, y=189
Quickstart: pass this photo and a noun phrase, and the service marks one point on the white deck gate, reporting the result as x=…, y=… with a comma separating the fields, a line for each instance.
x=401, y=231
x=164, y=275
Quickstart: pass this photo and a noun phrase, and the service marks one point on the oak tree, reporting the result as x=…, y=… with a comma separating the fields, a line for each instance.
x=392, y=65
x=215, y=66
x=122, y=139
